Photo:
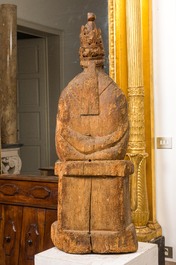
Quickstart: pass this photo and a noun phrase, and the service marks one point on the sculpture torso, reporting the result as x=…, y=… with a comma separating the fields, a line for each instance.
x=92, y=122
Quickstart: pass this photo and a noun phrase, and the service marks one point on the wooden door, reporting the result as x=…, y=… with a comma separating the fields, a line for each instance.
x=32, y=108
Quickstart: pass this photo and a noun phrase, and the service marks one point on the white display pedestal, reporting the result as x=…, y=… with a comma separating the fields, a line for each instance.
x=147, y=254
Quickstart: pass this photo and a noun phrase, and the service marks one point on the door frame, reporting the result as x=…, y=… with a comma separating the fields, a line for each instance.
x=47, y=34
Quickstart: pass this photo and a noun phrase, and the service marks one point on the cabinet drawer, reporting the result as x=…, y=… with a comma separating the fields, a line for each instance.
x=29, y=193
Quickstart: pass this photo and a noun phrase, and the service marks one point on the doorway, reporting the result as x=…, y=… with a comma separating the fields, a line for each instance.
x=32, y=106
x=39, y=81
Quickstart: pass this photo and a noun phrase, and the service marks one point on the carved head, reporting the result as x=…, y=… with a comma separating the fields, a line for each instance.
x=91, y=43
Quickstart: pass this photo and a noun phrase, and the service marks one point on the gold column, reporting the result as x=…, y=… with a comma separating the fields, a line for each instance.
x=8, y=29
x=118, y=64
x=117, y=43
x=137, y=144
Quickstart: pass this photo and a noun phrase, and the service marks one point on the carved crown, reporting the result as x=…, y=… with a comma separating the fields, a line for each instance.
x=91, y=44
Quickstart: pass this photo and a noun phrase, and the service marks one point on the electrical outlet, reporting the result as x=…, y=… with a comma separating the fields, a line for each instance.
x=168, y=252
x=164, y=142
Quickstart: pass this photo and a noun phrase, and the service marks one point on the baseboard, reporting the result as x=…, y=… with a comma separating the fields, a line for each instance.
x=170, y=263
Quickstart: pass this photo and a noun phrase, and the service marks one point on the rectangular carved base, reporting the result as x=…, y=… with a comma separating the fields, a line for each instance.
x=94, y=212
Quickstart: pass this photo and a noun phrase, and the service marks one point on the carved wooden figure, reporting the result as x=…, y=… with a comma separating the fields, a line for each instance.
x=91, y=140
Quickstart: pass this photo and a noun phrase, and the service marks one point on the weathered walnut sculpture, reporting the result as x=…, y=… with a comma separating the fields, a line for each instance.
x=91, y=140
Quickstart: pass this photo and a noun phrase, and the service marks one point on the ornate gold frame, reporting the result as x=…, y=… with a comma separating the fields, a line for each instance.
x=119, y=72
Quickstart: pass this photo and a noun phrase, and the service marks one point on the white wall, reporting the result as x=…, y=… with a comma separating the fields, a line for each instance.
x=164, y=50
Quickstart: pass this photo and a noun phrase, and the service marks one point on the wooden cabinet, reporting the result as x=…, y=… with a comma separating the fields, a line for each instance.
x=28, y=207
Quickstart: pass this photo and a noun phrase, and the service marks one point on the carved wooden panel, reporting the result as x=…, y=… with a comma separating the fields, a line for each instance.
x=32, y=234
x=11, y=232
x=34, y=193
x=50, y=217
x=8, y=189
x=40, y=192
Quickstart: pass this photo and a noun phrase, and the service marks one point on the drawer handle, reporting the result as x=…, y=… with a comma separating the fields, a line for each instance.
x=30, y=242
x=7, y=239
